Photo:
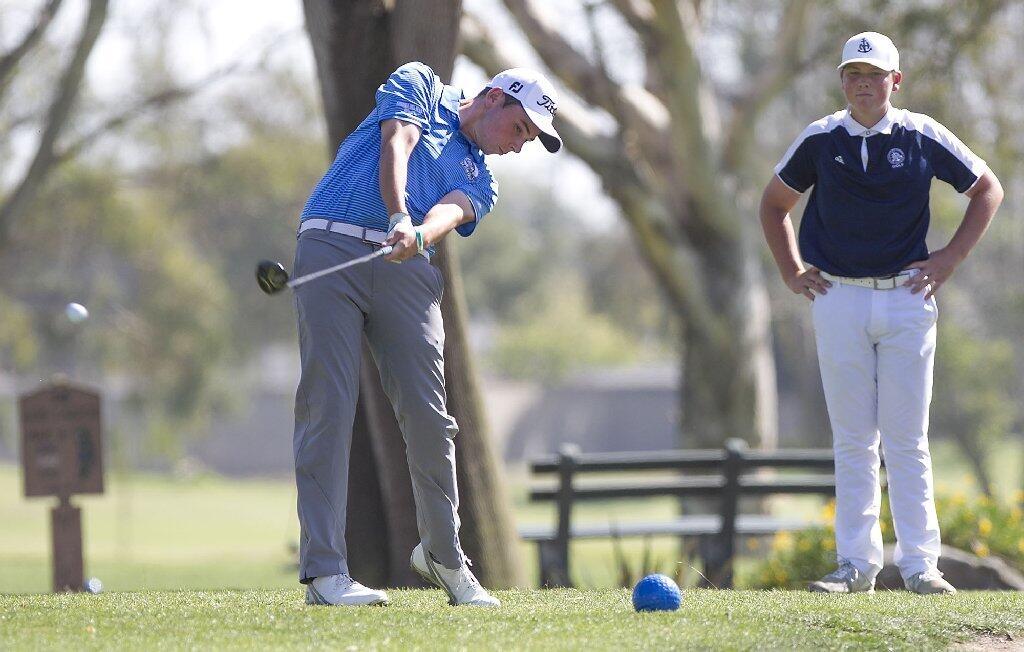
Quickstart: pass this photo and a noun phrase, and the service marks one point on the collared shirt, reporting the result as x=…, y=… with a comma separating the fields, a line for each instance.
x=442, y=161
x=868, y=213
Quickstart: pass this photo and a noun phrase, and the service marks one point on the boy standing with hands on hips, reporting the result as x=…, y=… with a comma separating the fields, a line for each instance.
x=863, y=262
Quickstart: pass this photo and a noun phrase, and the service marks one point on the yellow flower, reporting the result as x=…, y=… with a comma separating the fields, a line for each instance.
x=1018, y=496
x=958, y=499
x=980, y=548
x=984, y=526
x=1016, y=514
x=828, y=512
x=1020, y=546
x=782, y=540
x=804, y=545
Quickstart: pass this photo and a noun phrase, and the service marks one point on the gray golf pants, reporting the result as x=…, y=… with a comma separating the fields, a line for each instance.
x=398, y=306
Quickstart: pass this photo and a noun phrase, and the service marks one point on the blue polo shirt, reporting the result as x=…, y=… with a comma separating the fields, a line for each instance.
x=442, y=161
x=868, y=212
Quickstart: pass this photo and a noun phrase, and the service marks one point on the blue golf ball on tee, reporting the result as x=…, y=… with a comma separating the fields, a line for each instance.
x=656, y=592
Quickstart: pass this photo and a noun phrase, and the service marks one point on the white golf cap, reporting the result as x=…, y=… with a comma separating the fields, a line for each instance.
x=537, y=95
x=873, y=48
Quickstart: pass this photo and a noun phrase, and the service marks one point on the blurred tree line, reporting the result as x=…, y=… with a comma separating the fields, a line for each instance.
x=154, y=221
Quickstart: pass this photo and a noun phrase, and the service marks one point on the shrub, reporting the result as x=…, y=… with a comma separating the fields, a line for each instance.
x=980, y=525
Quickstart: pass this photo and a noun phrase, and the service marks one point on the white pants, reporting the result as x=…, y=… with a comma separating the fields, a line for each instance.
x=876, y=350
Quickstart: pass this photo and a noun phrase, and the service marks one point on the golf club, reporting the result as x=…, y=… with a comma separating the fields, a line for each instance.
x=272, y=276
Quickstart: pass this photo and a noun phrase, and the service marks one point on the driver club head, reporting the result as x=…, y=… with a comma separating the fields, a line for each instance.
x=271, y=276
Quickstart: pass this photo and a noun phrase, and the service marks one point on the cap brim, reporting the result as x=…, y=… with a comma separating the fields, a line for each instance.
x=551, y=143
x=548, y=136
x=877, y=63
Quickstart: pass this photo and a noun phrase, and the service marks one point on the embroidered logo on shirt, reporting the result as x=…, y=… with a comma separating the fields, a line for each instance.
x=896, y=157
x=840, y=161
x=469, y=165
x=411, y=108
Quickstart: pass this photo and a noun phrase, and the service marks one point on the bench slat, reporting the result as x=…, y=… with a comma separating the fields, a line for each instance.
x=695, y=525
x=698, y=486
x=809, y=458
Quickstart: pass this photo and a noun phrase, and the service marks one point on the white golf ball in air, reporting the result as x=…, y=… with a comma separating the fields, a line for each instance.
x=76, y=313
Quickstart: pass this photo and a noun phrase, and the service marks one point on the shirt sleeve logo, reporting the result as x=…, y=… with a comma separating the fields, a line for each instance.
x=896, y=157
x=469, y=165
x=410, y=108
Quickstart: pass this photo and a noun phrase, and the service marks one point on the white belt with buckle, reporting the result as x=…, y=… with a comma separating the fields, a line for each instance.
x=873, y=282
x=366, y=235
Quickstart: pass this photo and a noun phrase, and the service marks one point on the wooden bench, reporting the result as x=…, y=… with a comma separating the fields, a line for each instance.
x=725, y=475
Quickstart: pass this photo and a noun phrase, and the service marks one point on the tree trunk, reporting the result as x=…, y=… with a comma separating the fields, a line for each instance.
x=728, y=389
x=356, y=45
x=488, y=533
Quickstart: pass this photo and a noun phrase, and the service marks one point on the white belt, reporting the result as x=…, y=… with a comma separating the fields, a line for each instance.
x=366, y=235
x=873, y=282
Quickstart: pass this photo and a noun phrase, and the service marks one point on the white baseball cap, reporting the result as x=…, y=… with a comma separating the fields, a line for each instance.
x=873, y=48
x=537, y=95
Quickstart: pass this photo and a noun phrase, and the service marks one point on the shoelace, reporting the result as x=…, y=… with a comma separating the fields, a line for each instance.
x=846, y=571
x=344, y=581
x=466, y=576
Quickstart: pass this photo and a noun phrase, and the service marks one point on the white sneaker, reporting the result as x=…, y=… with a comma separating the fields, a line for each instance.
x=929, y=582
x=845, y=579
x=461, y=585
x=342, y=590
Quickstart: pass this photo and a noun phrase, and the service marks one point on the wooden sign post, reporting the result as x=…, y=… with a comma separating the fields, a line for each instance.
x=61, y=455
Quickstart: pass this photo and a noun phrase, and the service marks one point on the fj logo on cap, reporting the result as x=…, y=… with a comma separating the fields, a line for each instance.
x=896, y=157
x=515, y=87
x=864, y=46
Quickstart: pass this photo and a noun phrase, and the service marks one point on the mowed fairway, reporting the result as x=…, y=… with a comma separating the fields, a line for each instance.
x=535, y=619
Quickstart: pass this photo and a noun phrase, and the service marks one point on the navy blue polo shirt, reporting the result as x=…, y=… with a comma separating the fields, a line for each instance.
x=442, y=161
x=868, y=212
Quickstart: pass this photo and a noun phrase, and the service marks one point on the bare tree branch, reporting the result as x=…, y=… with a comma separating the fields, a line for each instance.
x=638, y=14
x=785, y=63
x=158, y=99
x=633, y=107
x=670, y=259
x=56, y=118
x=10, y=59
x=693, y=116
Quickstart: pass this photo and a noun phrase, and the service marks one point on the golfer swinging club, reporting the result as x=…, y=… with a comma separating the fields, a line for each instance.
x=863, y=261
x=412, y=171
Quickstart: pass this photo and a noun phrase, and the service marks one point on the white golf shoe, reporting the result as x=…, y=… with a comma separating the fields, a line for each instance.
x=929, y=582
x=342, y=590
x=845, y=579
x=460, y=584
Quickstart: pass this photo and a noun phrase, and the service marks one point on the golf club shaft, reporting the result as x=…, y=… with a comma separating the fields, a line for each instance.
x=383, y=251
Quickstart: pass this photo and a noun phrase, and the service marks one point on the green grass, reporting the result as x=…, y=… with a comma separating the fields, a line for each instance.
x=562, y=619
